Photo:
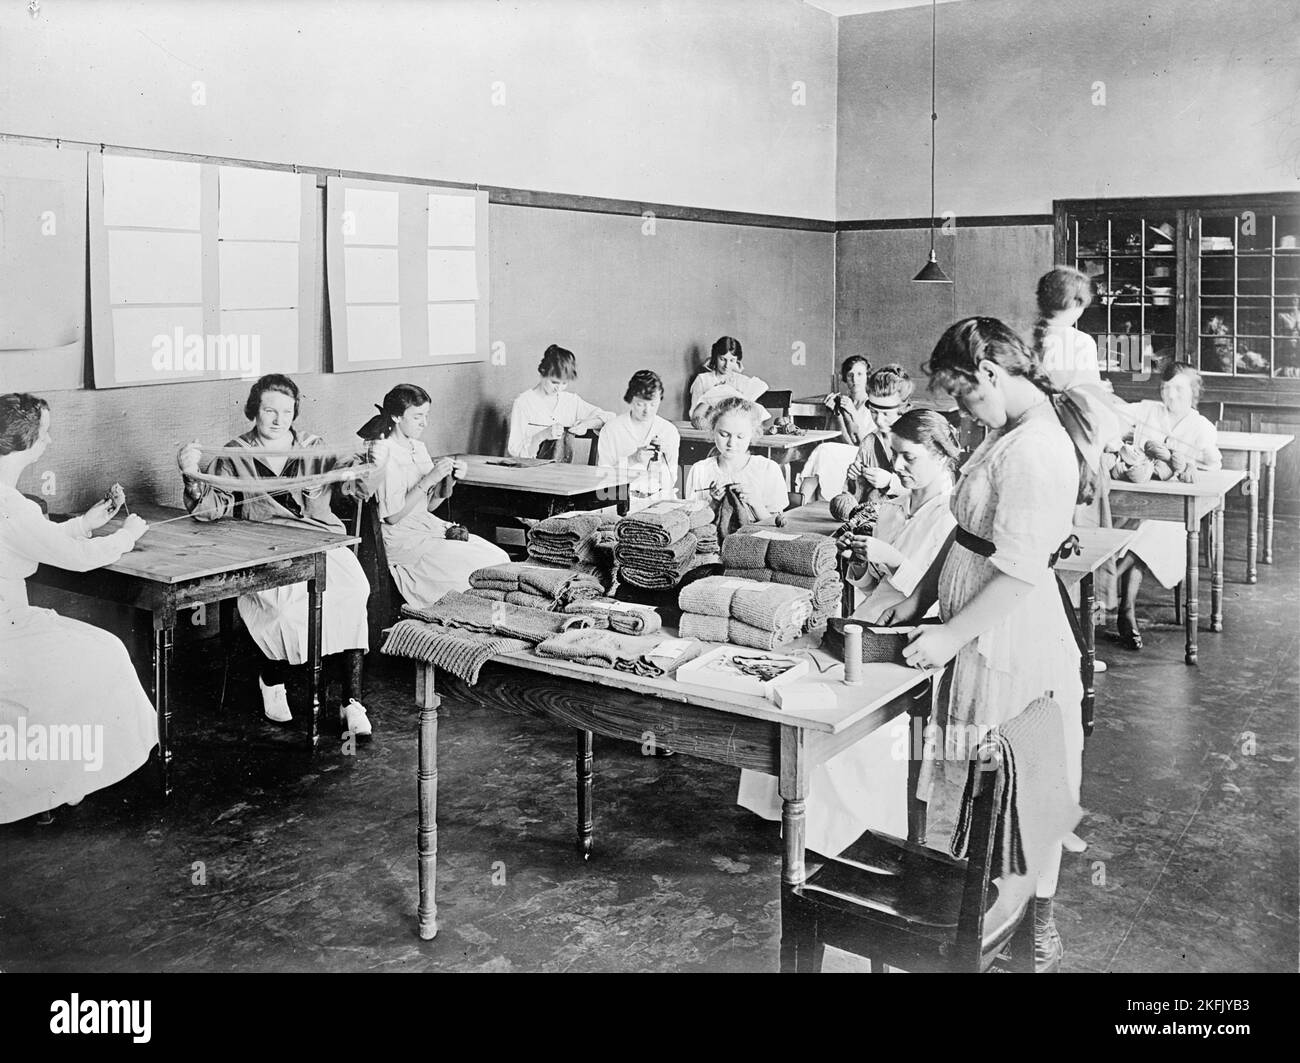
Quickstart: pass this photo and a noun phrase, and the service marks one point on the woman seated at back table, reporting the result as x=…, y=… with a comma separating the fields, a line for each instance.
x=55, y=671
x=277, y=618
x=723, y=378
x=641, y=444
x=544, y=417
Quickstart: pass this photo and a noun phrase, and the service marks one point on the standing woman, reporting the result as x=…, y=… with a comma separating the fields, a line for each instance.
x=55, y=671
x=723, y=378
x=542, y=415
x=425, y=564
x=277, y=618
x=1067, y=355
x=1004, y=628
x=641, y=443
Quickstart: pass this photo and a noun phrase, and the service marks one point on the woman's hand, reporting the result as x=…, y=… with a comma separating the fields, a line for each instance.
x=187, y=458
x=858, y=547
x=135, y=526
x=442, y=468
x=556, y=431
x=717, y=491
x=875, y=476
x=832, y=401
x=931, y=646
x=908, y=611
x=105, y=509
x=459, y=468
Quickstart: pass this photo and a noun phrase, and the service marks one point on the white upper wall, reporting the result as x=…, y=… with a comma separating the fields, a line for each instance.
x=687, y=102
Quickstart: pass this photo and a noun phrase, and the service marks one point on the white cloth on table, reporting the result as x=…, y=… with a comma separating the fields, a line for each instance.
x=59, y=672
x=761, y=478
x=425, y=564
x=534, y=415
x=622, y=437
x=1070, y=358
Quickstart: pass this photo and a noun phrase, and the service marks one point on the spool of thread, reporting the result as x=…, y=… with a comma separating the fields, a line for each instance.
x=853, y=654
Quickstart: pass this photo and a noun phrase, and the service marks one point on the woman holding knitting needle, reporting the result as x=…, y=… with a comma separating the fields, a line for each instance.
x=275, y=474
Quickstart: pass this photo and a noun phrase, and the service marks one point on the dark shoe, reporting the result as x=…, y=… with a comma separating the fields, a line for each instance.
x=1129, y=636
x=1048, y=947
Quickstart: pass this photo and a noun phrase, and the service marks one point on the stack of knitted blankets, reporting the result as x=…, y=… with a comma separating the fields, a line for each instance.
x=744, y=612
x=533, y=586
x=625, y=653
x=561, y=540
x=658, y=545
x=805, y=561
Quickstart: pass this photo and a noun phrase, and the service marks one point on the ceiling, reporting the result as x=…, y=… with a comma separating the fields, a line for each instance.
x=862, y=7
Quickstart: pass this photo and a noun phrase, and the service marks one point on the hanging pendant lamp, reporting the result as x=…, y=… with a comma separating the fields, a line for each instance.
x=931, y=273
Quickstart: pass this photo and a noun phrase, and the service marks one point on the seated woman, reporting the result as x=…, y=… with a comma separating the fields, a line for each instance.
x=1160, y=546
x=865, y=786
x=54, y=671
x=641, y=443
x=734, y=422
x=850, y=412
x=722, y=379
x=544, y=416
x=277, y=618
x=425, y=563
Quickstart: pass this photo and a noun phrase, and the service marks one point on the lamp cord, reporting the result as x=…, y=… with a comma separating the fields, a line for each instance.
x=934, y=116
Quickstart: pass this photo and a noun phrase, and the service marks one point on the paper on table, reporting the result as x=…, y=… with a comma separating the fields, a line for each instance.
x=784, y=537
x=370, y=275
x=259, y=204
x=258, y=276
x=151, y=267
x=453, y=329
x=453, y=220
x=149, y=343
x=158, y=193
x=369, y=216
x=452, y=275
x=267, y=341
x=374, y=333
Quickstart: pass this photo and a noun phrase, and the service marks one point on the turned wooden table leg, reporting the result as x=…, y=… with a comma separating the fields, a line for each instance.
x=1270, y=469
x=163, y=636
x=798, y=953
x=1251, y=488
x=1088, y=666
x=1191, y=612
x=426, y=784
x=1216, y=572
x=582, y=764
x=315, y=592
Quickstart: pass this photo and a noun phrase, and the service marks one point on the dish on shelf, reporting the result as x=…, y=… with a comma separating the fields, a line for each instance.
x=1216, y=243
x=1160, y=248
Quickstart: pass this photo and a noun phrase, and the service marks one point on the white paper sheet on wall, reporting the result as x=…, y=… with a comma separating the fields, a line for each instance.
x=153, y=343
x=374, y=333
x=158, y=193
x=259, y=204
x=263, y=341
x=453, y=220
x=453, y=275
x=369, y=217
x=370, y=275
x=453, y=329
x=257, y=275
x=154, y=267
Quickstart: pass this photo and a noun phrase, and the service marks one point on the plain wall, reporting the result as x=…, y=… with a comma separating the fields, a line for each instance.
x=1201, y=99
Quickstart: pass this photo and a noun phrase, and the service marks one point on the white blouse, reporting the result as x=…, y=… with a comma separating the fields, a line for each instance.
x=1193, y=435
x=919, y=539
x=761, y=477
x=622, y=437
x=748, y=387
x=1070, y=358
x=532, y=416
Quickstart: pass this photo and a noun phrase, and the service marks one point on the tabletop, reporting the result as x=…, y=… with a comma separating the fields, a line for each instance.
x=554, y=478
x=190, y=549
x=776, y=441
x=1265, y=442
x=1209, y=484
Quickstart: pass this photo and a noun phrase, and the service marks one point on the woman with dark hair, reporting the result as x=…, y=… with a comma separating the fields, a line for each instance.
x=424, y=561
x=641, y=444
x=277, y=619
x=56, y=672
x=544, y=417
x=1004, y=628
x=722, y=378
x=850, y=408
x=1068, y=356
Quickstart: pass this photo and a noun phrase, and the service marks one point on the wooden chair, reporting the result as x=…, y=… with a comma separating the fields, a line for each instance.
x=776, y=402
x=384, y=605
x=900, y=904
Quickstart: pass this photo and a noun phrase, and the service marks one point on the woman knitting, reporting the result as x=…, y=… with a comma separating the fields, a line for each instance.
x=641, y=444
x=723, y=378
x=756, y=482
x=545, y=417
x=849, y=412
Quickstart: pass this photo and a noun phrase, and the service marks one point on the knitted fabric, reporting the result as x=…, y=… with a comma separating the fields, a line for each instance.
x=529, y=601
x=705, y=628
x=461, y=653
x=455, y=609
x=670, y=556
x=744, y=549
x=533, y=625
x=742, y=634
x=504, y=577
x=655, y=579
x=808, y=555
x=733, y=514
x=602, y=649
x=758, y=575
x=484, y=592
x=660, y=524
x=771, y=606
x=627, y=620
x=706, y=539
x=710, y=596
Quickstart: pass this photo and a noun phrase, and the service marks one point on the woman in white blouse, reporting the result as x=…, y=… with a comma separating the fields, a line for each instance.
x=641, y=444
x=542, y=415
x=734, y=423
x=56, y=672
x=723, y=378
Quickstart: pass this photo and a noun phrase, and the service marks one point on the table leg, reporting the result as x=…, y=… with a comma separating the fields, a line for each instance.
x=1191, y=615
x=1251, y=488
x=1270, y=469
x=584, y=773
x=426, y=784
x=315, y=591
x=1216, y=572
x=163, y=634
x=796, y=953
x=1088, y=666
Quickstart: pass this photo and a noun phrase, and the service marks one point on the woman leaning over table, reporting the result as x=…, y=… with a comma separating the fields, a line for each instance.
x=277, y=618
x=55, y=671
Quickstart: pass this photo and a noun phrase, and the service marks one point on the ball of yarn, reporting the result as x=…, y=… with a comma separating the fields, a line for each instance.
x=1161, y=470
x=1139, y=472
x=1188, y=474
x=457, y=532
x=842, y=506
x=1178, y=461
x=1156, y=451
x=1130, y=455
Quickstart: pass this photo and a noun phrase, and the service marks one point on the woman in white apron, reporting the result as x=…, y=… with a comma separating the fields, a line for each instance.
x=641, y=444
x=65, y=687
x=277, y=618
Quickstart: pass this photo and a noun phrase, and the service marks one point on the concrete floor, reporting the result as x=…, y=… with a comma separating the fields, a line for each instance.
x=264, y=861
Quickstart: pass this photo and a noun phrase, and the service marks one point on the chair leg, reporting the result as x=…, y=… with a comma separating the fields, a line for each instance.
x=1020, y=950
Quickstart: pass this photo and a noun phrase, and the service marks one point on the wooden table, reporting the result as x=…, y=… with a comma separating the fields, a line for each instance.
x=1162, y=500
x=780, y=448
x=737, y=730
x=188, y=563
x=1259, y=448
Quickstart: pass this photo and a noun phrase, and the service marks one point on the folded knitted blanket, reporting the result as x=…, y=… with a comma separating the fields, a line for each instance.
x=656, y=578
x=484, y=592
x=758, y=575
x=547, y=555
x=662, y=523
x=705, y=628
x=742, y=634
x=570, y=528
x=618, y=616
x=534, y=625
x=460, y=652
x=603, y=649
x=710, y=596
x=808, y=555
x=530, y=601
x=771, y=606
x=456, y=609
x=505, y=577
x=744, y=549
x=670, y=556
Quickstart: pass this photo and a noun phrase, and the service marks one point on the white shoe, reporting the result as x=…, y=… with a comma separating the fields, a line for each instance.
x=275, y=702
x=1073, y=843
x=1098, y=667
x=353, y=717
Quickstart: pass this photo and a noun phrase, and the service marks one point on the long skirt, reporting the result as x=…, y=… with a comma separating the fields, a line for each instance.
x=829, y=462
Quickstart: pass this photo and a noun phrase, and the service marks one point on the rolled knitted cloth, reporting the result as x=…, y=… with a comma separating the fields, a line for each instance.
x=570, y=528
x=530, y=601
x=535, y=625
x=544, y=580
x=625, y=619
x=741, y=634
x=503, y=577
x=808, y=555
x=706, y=628
x=462, y=653
x=642, y=556
x=545, y=555
x=659, y=524
x=771, y=606
x=706, y=539
x=710, y=596
x=744, y=549
x=456, y=609
x=656, y=578
x=485, y=592
x=758, y=575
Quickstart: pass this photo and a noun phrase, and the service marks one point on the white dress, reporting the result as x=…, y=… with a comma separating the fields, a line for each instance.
x=59, y=672
x=830, y=462
x=1162, y=544
x=761, y=478
x=1070, y=358
x=865, y=786
x=424, y=563
x=532, y=416
x=622, y=437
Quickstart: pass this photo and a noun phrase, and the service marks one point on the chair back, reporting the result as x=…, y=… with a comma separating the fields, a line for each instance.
x=776, y=402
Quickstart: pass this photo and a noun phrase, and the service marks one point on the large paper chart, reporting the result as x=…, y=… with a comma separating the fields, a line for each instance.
x=369, y=217
x=453, y=220
x=154, y=267
x=259, y=205
x=258, y=275
x=156, y=193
